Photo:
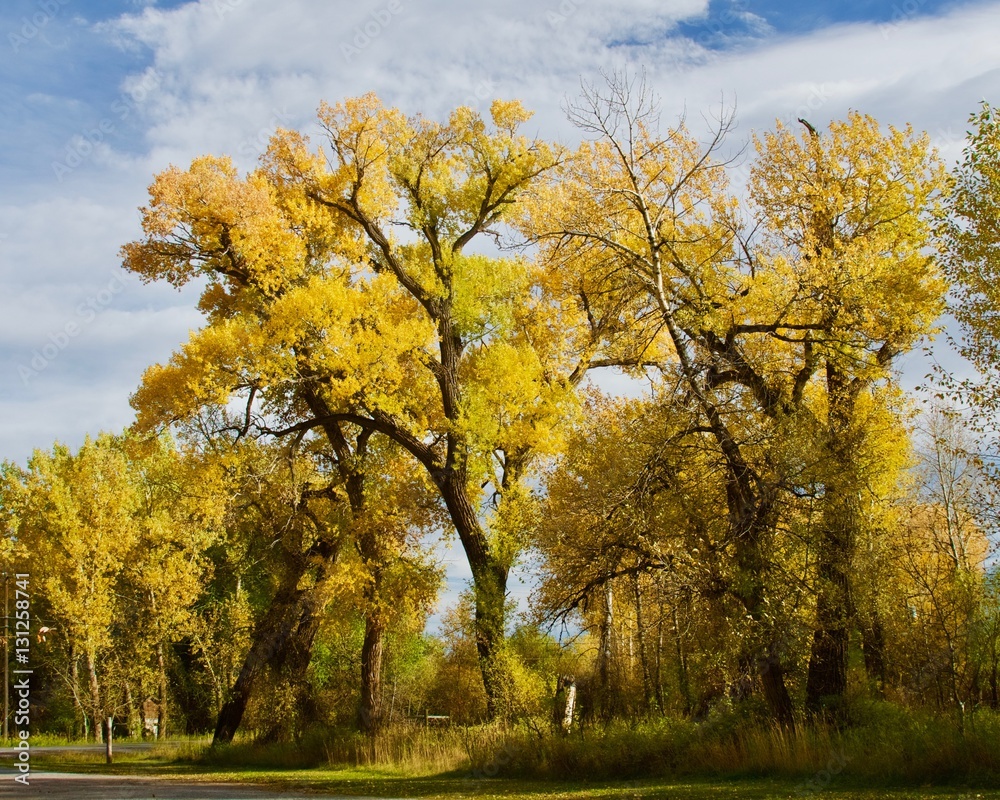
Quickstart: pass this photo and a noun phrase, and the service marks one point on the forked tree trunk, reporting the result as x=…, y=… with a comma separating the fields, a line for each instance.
x=269, y=642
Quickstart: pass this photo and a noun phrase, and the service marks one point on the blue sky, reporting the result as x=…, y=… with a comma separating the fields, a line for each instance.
x=96, y=97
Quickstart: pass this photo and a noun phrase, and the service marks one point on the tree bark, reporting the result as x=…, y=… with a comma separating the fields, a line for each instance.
x=873, y=649
x=81, y=719
x=269, y=642
x=648, y=697
x=489, y=579
x=370, y=714
x=161, y=713
x=826, y=681
x=97, y=709
x=291, y=662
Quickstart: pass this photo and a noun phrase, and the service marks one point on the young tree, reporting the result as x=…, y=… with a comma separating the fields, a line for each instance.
x=971, y=235
x=116, y=535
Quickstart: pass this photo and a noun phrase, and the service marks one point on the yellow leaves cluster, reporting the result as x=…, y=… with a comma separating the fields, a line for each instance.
x=115, y=531
x=315, y=283
x=213, y=363
x=208, y=221
x=855, y=209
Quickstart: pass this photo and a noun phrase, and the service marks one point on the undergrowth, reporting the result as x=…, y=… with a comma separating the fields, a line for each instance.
x=880, y=745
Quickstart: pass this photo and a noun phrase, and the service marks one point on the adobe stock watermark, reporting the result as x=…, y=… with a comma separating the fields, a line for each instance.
x=34, y=26
x=253, y=146
x=823, y=778
x=224, y=7
x=369, y=30
x=562, y=12
x=901, y=12
x=482, y=92
x=58, y=340
x=82, y=145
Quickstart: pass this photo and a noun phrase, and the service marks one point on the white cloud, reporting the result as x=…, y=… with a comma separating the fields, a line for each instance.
x=224, y=73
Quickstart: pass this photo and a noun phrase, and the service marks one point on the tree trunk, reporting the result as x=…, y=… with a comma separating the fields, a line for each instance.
x=994, y=695
x=270, y=639
x=683, y=681
x=291, y=662
x=648, y=698
x=826, y=680
x=370, y=714
x=81, y=718
x=873, y=649
x=489, y=580
x=491, y=596
x=608, y=687
x=772, y=675
x=97, y=709
x=161, y=713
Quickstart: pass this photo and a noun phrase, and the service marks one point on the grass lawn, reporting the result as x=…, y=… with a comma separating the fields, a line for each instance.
x=376, y=782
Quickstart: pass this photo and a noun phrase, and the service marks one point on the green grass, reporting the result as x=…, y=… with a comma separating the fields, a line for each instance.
x=885, y=753
x=387, y=782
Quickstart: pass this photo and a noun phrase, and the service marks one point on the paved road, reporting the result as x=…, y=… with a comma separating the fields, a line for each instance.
x=73, y=786
x=67, y=786
x=11, y=752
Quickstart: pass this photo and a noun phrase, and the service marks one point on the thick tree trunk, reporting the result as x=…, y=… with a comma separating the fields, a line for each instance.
x=491, y=596
x=826, y=680
x=269, y=642
x=291, y=662
x=772, y=676
x=489, y=579
x=753, y=521
x=370, y=714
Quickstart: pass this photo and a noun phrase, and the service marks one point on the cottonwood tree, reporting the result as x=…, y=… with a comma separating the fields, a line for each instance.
x=853, y=211
x=942, y=555
x=116, y=534
x=633, y=541
x=343, y=298
x=834, y=282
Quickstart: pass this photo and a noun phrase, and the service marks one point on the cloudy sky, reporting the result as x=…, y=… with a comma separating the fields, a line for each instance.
x=97, y=96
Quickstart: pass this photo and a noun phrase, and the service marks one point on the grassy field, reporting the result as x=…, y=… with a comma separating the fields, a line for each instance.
x=185, y=762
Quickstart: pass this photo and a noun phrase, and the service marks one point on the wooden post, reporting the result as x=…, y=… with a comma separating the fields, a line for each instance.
x=107, y=740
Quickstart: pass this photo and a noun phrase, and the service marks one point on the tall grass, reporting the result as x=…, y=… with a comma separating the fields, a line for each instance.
x=882, y=745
